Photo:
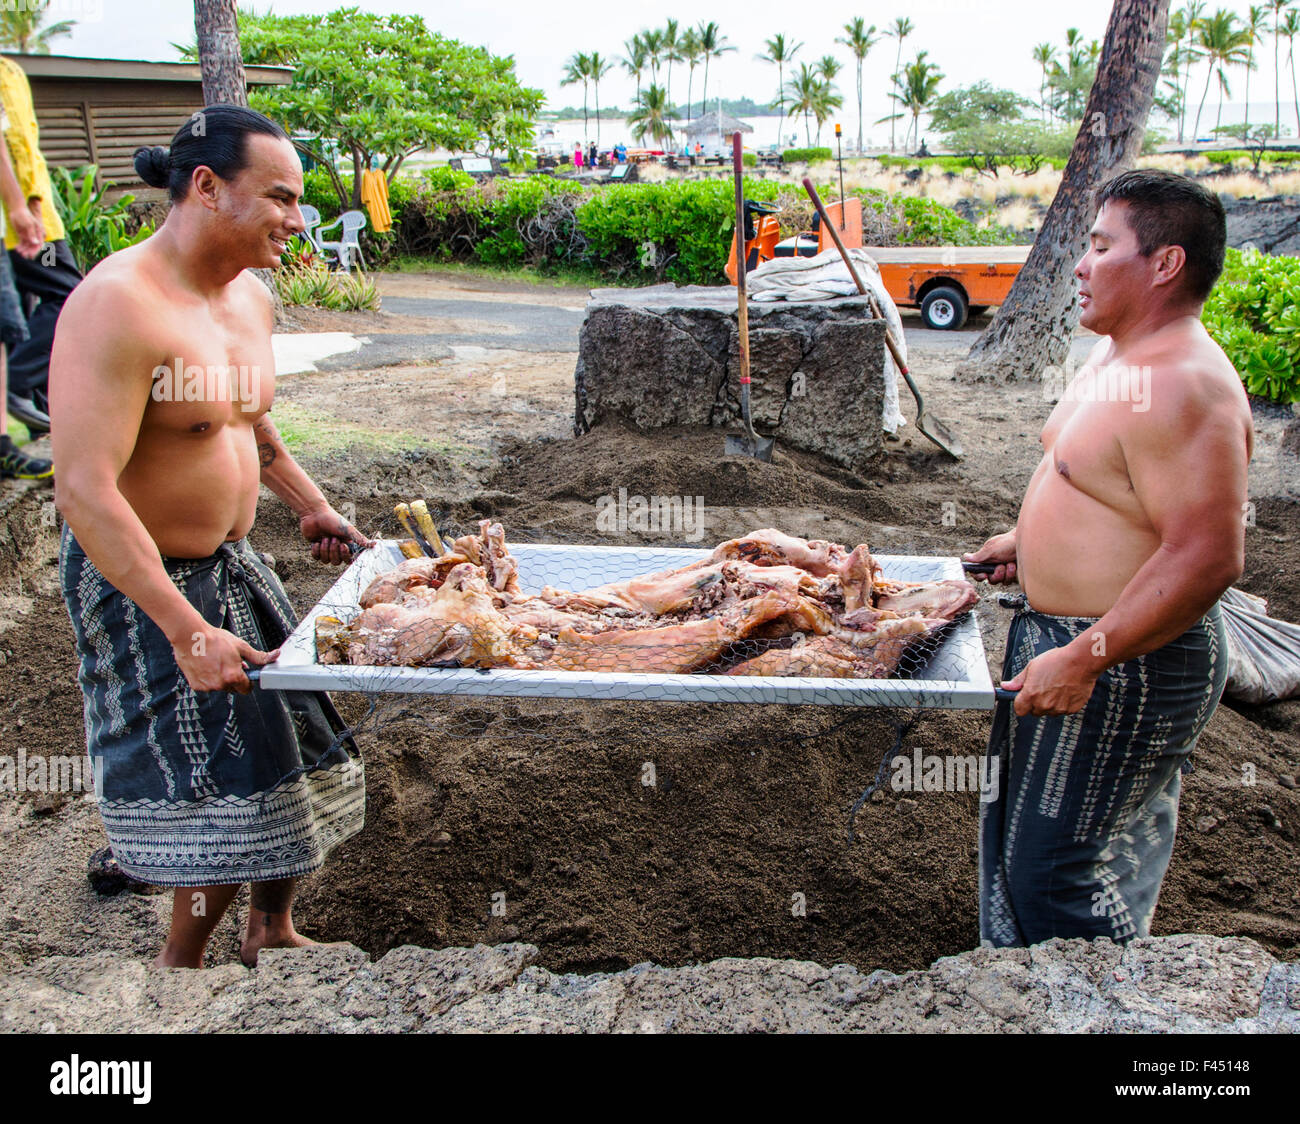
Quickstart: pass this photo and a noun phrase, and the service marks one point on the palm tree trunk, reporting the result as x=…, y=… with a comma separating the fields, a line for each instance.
x=585, y=132
x=1277, y=76
x=1218, y=119
x=1249, y=63
x=221, y=62
x=898, y=61
x=597, y=86
x=220, y=59
x=807, y=131
x=780, y=78
x=859, y=107
x=690, y=83
x=1196, y=128
x=1033, y=329
x=704, y=93
x=1296, y=96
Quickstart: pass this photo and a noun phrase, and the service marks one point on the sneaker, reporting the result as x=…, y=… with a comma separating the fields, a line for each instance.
x=16, y=464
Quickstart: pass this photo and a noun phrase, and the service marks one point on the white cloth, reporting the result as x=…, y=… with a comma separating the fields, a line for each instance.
x=1263, y=652
x=824, y=277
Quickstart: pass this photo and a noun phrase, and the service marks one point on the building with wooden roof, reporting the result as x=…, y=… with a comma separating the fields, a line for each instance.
x=99, y=111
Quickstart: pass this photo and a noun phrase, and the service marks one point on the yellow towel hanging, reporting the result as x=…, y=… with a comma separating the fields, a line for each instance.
x=374, y=197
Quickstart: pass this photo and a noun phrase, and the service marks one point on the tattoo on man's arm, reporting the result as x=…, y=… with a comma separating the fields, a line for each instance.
x=266, y=448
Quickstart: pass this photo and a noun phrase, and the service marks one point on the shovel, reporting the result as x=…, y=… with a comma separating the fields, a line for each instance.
x=748, y=444
x=928, y=424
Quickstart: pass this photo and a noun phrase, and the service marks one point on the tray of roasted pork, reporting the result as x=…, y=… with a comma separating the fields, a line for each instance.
x=765, y=618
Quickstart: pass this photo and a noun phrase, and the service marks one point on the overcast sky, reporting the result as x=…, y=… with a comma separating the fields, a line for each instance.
x=969, y=39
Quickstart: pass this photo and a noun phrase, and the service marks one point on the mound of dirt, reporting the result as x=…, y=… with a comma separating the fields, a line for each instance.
x=496, y=821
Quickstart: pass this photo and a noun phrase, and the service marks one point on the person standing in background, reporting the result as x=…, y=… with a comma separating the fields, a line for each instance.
x=14, y=463
x=51, y=274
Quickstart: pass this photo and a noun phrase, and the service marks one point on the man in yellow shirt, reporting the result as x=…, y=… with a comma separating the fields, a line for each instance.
x=52, y=274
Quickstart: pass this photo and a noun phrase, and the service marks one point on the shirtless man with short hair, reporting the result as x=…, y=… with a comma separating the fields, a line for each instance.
x=161, y=378
x=1130, y=530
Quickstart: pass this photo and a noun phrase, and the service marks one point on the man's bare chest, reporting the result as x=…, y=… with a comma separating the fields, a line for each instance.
x=211, y=374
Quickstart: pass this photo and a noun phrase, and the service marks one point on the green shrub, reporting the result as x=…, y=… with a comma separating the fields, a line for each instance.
x=94, y=228
x=443, y=177
x=750, y=159
x=806, y=155
x=1253, y=313
x=318, y=191
x=679, y=230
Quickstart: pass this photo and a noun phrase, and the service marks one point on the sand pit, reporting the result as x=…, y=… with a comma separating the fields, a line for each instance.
x=740, y=847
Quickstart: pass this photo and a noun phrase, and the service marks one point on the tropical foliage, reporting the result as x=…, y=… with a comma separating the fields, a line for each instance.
x=1253, y=313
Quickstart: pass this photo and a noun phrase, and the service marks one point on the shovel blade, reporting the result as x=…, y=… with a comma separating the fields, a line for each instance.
x=941, y=435
x=760, y=448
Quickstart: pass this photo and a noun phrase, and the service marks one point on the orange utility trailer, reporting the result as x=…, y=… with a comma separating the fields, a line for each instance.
x=948, y=283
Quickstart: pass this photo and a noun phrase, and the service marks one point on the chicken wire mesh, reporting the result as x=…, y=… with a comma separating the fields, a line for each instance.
x=493, y=641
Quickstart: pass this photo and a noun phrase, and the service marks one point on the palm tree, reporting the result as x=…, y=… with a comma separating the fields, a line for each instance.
x=1278, y=6
x=920, y=82
x=578, y=69
x=713, y=45
x=1255, y=32
x=1192, y=13
x=1223, y=42
x=779, y=52
x=826, y=101
x=21, y=30
x=1034, y=327
x=688, y=46
x=1044, y=55
x=903, y=27
x=597, y=68
x=859, y=39
x=805, y=91
x=635, y=60
x=652, y=116
x=671, y=54
x=654, y=49
x=1290, y=27
x=1175, y=60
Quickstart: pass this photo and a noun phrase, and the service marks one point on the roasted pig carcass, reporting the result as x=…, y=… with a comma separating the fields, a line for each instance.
x=457, y=624
x=949, y=598
x=674, y=649
x=763, y=604
x=848, y=653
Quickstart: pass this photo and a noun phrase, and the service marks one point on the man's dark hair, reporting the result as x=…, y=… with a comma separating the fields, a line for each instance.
x=215, y=137
x=1166, y=209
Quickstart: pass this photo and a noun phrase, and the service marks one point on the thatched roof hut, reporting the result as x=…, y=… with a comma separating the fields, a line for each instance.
x=713, y=131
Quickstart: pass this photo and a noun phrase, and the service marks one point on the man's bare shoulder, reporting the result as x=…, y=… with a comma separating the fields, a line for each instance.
x=117, y=293
x=1188, y=371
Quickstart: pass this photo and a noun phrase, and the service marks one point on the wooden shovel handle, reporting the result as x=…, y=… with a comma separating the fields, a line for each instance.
x=848, y=261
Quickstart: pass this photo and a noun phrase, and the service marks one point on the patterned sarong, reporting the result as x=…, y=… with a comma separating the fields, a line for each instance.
x=207, y=788
x=1080, y=835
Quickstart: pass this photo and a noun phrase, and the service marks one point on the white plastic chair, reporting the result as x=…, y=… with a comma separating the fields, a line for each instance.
x=348, y=245
x=311, y=219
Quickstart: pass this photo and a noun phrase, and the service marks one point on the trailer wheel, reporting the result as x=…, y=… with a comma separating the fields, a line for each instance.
x=944, y=309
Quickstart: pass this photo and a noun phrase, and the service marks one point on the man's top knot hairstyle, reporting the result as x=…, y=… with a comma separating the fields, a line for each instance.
x=215, y=137
x=1166, y=209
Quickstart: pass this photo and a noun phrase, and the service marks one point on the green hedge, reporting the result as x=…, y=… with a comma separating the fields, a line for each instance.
x=680, y=230
x=959, y=164
x=1232, y=155
x=806, y=155
x=1253, y=313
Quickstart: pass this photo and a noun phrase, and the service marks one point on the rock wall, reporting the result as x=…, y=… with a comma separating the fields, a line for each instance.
x=665, y=357
x=1184, y=983
x=1271, y=225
